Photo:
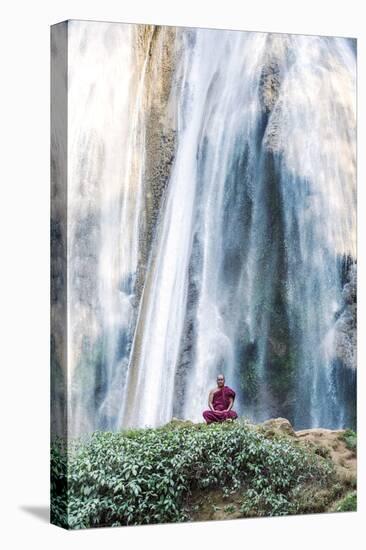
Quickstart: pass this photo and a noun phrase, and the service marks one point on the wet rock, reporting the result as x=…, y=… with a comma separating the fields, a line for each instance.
x=270, y=82
x=277, y=347
x=346, y=325
x=161, y=44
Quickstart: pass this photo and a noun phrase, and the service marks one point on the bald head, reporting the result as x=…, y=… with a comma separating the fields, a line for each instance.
x=220, y=380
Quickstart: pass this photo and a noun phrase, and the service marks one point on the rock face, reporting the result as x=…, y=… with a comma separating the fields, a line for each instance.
x=346, y=330
x=157, y=50
x=277, y=57
x=270, y=84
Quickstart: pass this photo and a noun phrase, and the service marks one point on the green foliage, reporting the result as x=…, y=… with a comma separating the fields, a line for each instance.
x=348, y=503
x=148, y=475
x=350, y=439
x=314, y=498
x=58, y=476
x=230, y=508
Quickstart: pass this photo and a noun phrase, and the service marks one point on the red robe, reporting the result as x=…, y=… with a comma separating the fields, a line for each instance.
x=220, y=402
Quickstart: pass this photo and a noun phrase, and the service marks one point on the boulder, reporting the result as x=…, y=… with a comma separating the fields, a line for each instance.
x=280, y=426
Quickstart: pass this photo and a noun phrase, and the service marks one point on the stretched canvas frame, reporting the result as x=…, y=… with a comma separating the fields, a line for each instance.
x=203, y=274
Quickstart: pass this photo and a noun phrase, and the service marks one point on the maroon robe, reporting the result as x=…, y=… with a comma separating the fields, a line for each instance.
x=220, y=402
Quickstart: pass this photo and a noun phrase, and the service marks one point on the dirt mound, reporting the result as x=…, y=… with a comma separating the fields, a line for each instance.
x=335, y=448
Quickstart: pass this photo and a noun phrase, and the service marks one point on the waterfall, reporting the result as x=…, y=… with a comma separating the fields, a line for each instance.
x=107, y=152
x=318, y=185
x=242, y=260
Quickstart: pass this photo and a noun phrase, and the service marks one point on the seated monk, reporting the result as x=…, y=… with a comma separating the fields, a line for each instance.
x=220, y=402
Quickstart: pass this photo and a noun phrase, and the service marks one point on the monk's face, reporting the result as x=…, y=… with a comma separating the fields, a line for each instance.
x=220, y=381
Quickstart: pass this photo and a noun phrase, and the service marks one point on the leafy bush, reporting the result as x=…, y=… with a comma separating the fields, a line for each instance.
x=348, y=503
x=148, y=475
x=59, y=483
x=350, y=439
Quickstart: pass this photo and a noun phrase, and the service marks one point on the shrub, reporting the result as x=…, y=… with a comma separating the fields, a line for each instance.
x=350, y=439
x=348, y=503
x=59, y=483
x=148, y=475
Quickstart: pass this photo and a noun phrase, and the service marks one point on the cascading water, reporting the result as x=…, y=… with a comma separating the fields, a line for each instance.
x=316, y=142
x=250, y=267
x=105, y=204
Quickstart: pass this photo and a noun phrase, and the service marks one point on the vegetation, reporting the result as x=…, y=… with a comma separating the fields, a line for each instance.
x=350, y=439
x=348, y=503
x=150, y=475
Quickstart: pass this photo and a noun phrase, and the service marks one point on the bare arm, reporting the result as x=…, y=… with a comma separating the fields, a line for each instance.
x=210, y=400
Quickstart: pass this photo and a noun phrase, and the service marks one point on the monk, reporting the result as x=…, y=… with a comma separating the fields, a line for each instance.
x=220, y=402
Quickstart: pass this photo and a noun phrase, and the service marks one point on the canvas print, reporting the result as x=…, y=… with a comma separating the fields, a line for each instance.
x=203, y=274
